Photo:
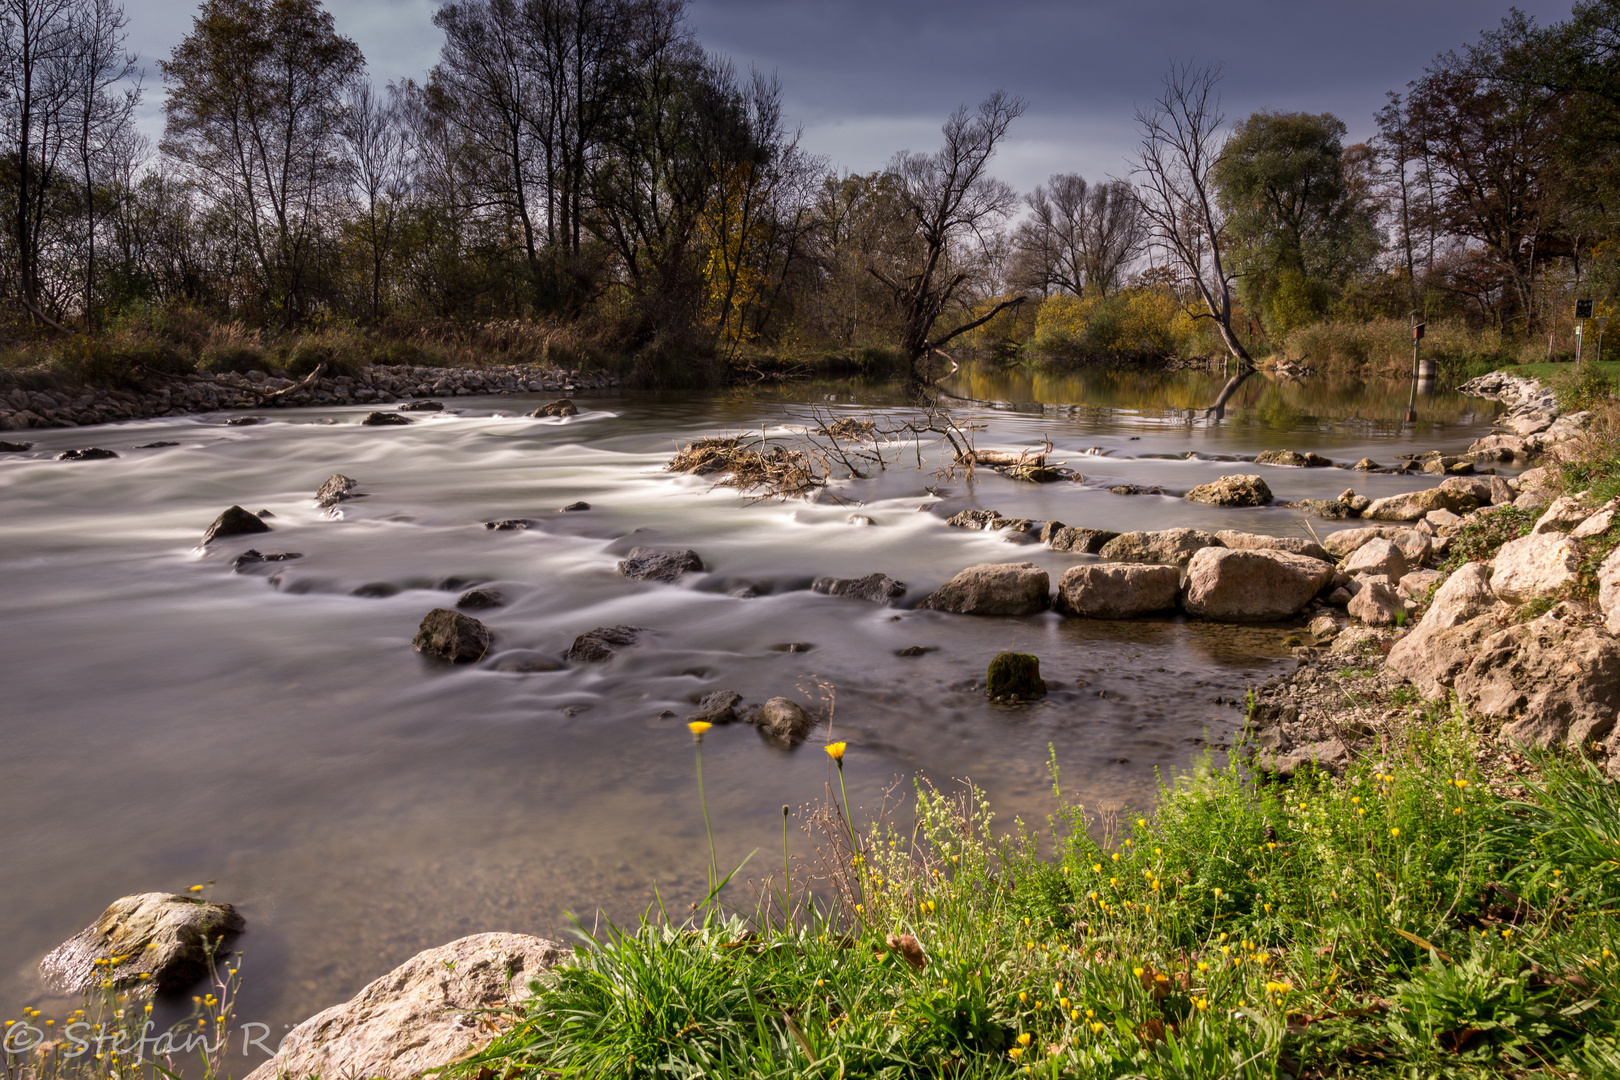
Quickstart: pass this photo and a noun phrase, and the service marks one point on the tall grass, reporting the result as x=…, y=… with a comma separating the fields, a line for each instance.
x=1403, y=920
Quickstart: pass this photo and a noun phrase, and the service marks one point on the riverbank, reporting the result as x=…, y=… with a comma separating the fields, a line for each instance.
x=1405, y=870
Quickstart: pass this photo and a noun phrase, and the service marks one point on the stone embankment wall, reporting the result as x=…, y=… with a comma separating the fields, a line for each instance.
x=374, y=385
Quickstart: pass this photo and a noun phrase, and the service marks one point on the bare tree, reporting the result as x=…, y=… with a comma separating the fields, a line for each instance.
x=101, y=114
x=36, y=89
x=1180, y=148
x=380, y=160
x=1079, y=235
x=953, y=202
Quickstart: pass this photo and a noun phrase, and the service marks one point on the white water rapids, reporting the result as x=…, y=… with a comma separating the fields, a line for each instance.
x=165, y=721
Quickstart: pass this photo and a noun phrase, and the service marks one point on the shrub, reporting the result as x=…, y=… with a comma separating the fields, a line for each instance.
x=1136, y=324
x=1583, y=386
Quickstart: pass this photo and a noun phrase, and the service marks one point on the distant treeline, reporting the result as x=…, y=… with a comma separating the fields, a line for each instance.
x=585, y=166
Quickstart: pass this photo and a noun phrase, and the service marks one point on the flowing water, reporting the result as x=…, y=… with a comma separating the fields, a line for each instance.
x=165, y=721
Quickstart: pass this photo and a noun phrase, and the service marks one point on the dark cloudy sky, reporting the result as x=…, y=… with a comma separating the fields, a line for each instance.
x=864, y=78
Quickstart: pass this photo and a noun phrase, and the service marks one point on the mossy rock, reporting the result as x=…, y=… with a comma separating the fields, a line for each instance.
x=1015, y=676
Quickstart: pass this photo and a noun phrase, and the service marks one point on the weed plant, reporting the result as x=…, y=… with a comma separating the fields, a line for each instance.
x=1400, y=920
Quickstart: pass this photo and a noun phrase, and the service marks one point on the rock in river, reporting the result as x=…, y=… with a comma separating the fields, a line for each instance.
x=1014, y=676
x=89, y=453
x=1061, y=537
x=1294, y=545
x=337, y=488
x=1117, y=590
x=386, y=419
x=164, y=937
x=659, y=564
x=452, y=636
x=783, y=721
x=14, y=447
x=1414, y=504
x=1237, y=490
x=719, y=707
x=430, y=1010
x=1172, y=546
x=560, y=407
x=234, y=522
x=602, y=643
x=422, y=406
x=873, y=588
x=1293, y=458
x=993, y=589
x=1252, y=586
x=478, y=599
x=254, y=557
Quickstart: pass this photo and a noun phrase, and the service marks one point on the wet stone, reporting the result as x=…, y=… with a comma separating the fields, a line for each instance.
x=560, y=408
x=792, y=647
x=234, y=522
x=254, y=557
x=335, y=489
x=600, y=644
x=385, y=419
x=15, y=447
x=89, y=453
x=479, y=599
x=574, y=507
x=422, y=406
x=164, y=937
x=1014, y=676
x=508, y=525
x=659, y=564
x=450, y=635
x=717, y=708
x=873, y=588
x=244, y=421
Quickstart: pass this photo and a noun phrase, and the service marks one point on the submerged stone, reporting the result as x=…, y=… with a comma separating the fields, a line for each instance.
x=1015, y=676
x=167, y=938
x=450, y=635
x=235, y=521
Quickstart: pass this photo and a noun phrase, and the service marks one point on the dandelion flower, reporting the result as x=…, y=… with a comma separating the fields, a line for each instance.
x=1016, y=1052
x=1394, y=832
x=698, y=727
x=836, y=752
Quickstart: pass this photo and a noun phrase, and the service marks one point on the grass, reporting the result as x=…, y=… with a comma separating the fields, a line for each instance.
x=1403, y=920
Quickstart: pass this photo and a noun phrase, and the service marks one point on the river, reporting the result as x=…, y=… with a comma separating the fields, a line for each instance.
x=166, y=722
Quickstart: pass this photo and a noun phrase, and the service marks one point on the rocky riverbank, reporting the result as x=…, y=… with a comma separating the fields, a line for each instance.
x=376, y=384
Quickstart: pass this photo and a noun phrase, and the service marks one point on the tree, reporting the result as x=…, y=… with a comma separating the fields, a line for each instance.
x=37, y=49
x=254, y=109
x=101, y=117
x=1177, y=192
x=1079, y=236
x=1297, y=227
x=953, y=203
x=379, y=160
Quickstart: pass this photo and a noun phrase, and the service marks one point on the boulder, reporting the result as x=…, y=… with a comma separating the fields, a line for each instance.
x=573, y=507
x=1135, y=489
x=161, y=943
x=1377, y=556
x=1330, y=509
x=1461, y=614
x=873, y=588
x=1551, y=681
x=1597, y=524
x=560, y=407
x=1236, y=490
x=1415, y=545
x=783, y=721
x=386, y=419
x=422, y=406
x=1366, y=464
x=254, y=557
x=1345, y=541
x=601, y=643
x=861, y=520
x=234, y=522
x=14, y=447
x=1444, y=521
x=1478, y=487
x=1375, y=604
x=337, y=488
x=1330, y=755
x=450, y=635
x=1293, y=458
x=1070, y=538
x=972, y=519
x=1608, y=578
x=508, y=525
x=1534, y=566
x=431, y=1010
x=1172, y=546
x=659, y=564
x=1229, y=585
x=479, y=599
x=1416, y=585
x=719, y=707
x=993, y=589
x=1117, y=590
x=89, y=453
x=1323, y=627
x=1014, y=676
x=1562, y=515
x=1414, y=504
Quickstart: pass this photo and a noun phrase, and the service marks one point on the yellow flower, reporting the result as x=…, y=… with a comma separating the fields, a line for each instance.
x=1074, y=1015
x=1023, y=1040
x=1063, y=1002
x=1202, y=966
x=1217, y=894
x=698, y=727
x=1141, y=822
x=930, y=907
x=835, y=750
x=1394, y=832
x=1096, y=1028
x=1016, y=1052
x=195, y=888
x=1022, y=996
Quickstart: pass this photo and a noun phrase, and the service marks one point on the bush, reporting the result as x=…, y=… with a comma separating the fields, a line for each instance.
x=1136, y=324
x=1385, y=345
x=1583, y=386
